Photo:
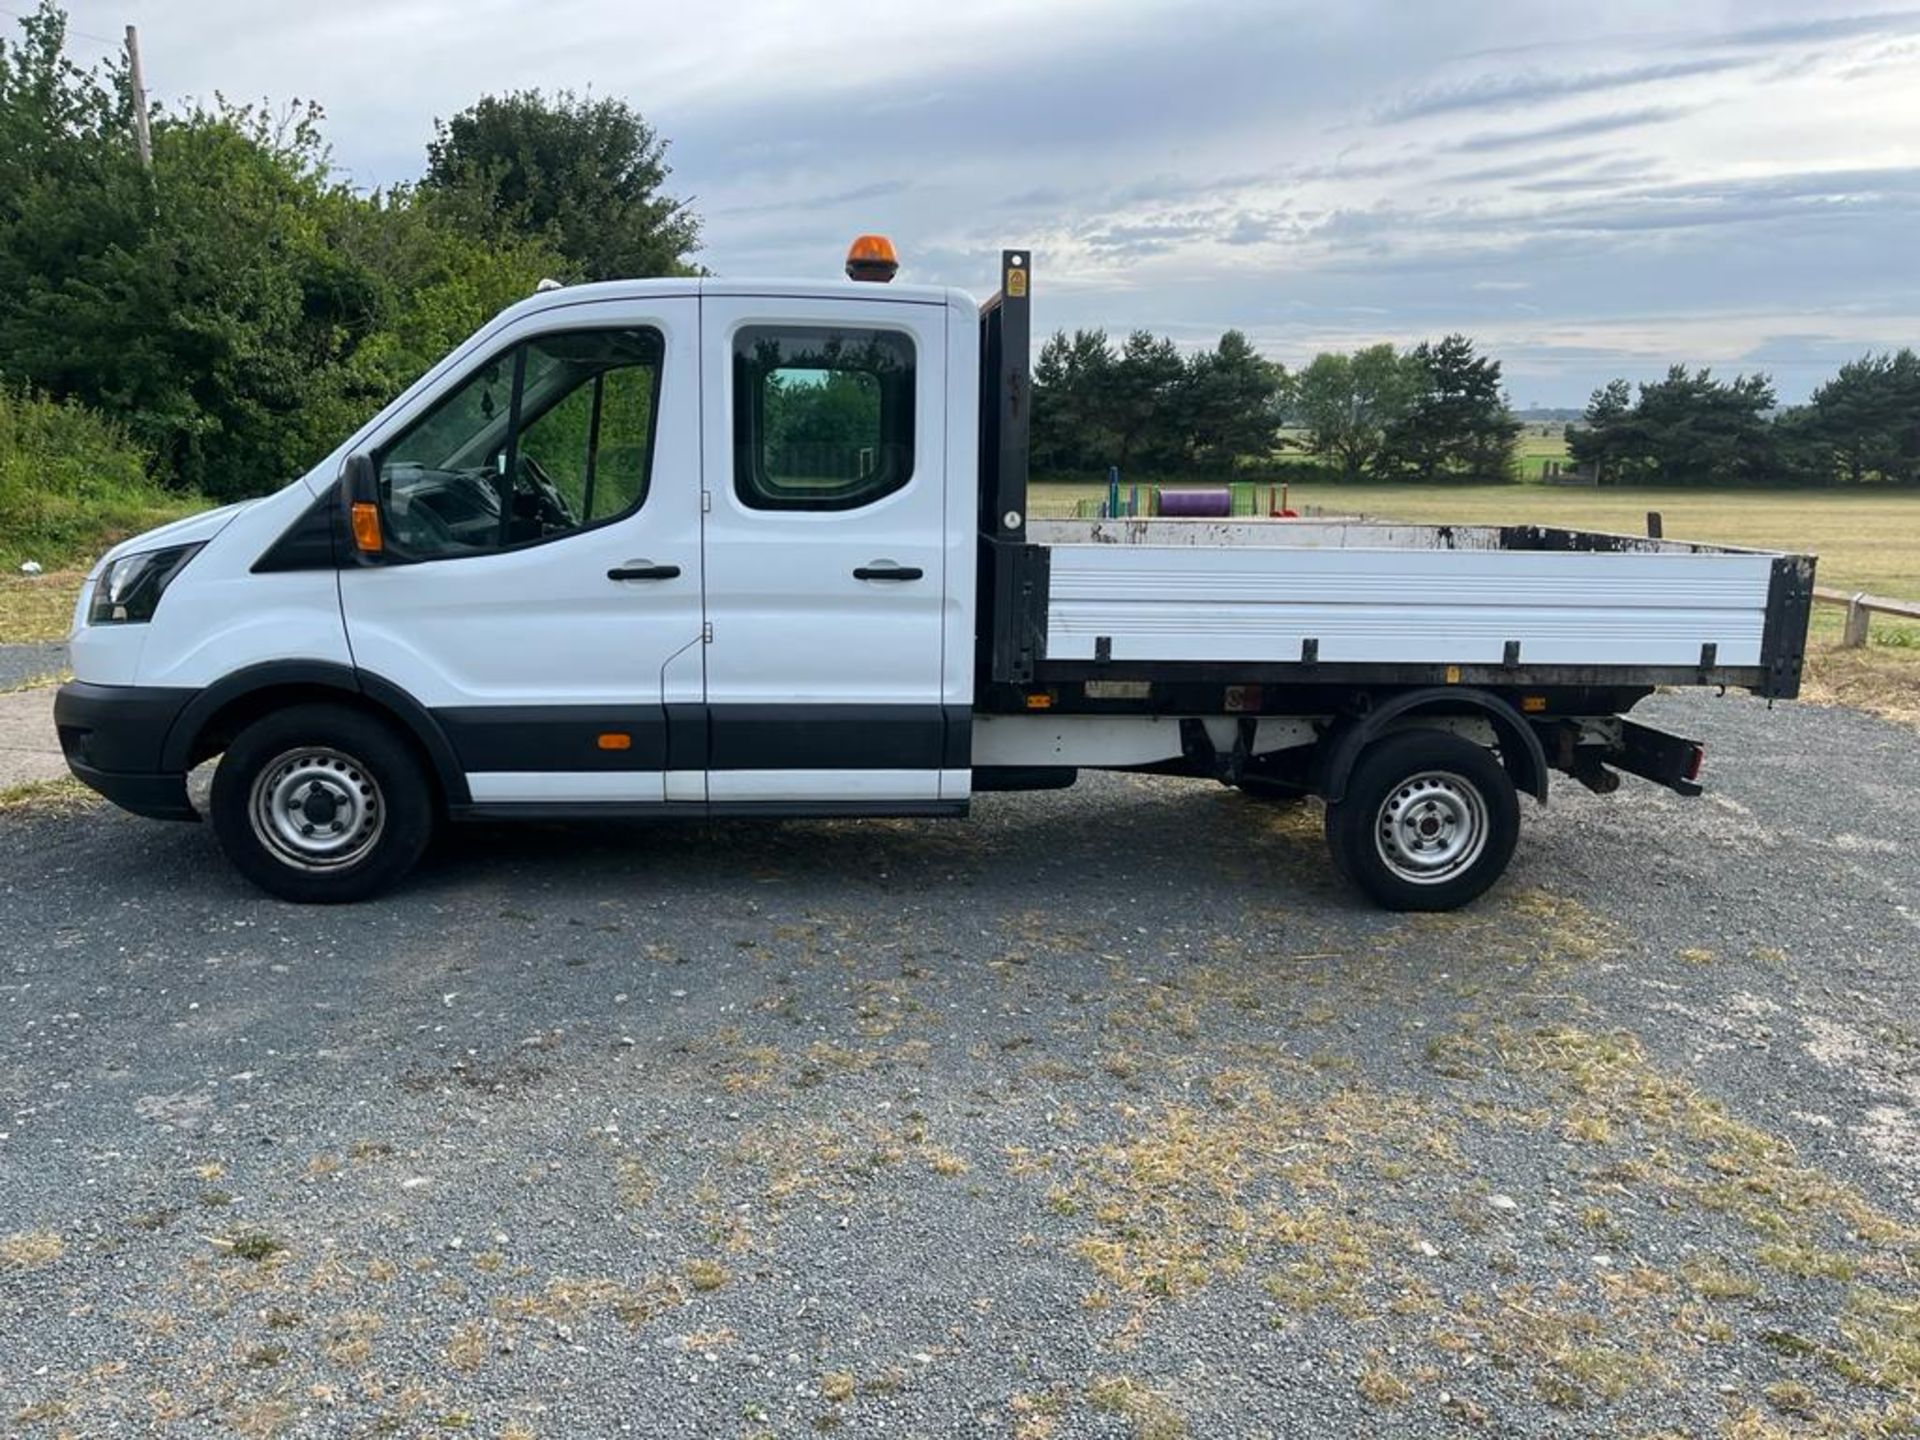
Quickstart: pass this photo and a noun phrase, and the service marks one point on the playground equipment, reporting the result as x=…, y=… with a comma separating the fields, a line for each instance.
x=1188, y=502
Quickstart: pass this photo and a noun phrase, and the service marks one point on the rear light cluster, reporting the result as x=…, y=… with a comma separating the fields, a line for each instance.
x=1696, y=761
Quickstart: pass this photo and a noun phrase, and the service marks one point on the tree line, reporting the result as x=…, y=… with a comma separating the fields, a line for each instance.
x=1862, y=426
x=1431, y=412
x=1436, y=412
x=239, y=307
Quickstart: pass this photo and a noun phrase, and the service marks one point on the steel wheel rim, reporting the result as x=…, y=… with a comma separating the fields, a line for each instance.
x=1431, y=827
x=317, y=808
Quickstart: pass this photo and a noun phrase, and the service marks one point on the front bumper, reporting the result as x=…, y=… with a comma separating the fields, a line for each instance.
x=113, y=737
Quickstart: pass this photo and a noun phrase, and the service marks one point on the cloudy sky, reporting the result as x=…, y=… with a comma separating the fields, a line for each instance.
x=1591, y=190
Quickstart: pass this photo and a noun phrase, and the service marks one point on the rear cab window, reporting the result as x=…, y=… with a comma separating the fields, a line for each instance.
x=823, y=416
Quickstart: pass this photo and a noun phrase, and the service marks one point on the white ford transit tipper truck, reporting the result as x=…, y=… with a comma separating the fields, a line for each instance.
x=700, y=547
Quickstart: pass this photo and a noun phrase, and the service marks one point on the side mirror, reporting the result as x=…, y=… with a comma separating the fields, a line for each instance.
x=360, y=506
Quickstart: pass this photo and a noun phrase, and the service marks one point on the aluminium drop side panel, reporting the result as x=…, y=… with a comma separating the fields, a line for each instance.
x=1260, y=605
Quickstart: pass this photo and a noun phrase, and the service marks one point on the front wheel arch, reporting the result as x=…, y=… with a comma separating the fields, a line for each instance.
x=217, y=714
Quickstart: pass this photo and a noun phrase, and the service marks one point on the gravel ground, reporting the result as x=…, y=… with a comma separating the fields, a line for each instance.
x=1107, y=1113
x=31, y=664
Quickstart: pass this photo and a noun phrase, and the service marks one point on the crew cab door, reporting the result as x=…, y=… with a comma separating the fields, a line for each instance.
x=541, y=515
x=825, y=435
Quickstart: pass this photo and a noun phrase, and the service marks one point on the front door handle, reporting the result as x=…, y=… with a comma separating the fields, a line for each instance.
x=643, y=570
x=884, y=570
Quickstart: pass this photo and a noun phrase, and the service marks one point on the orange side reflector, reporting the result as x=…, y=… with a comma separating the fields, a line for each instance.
x=616, y=740
x=1533, y=704
x=1040, y=700
x=366, y=527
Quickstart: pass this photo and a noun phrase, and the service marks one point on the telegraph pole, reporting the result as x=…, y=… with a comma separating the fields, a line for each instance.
x=141, y=138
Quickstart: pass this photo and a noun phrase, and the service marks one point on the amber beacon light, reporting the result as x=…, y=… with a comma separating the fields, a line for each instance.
x=871, y=257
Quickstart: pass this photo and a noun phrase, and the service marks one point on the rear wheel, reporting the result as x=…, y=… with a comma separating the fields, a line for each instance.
x=1428, y=821
x=321, y=803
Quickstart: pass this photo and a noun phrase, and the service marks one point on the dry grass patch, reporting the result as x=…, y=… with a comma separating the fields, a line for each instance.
x=264, y=1357
x=1802, y=1222
x=1574, y=1356
x=1549, y=935
x=35, y=609
x=30, y=1249
x=837, y=1386
x=568, y=1298
x=1808, y=1262
x=1191, y=1195
x=1712, y=1280
x=829, y=1164
x=61, y=796
x=705, y=1274
x=1879, y=678
x=635, y=1184
x=467, y=1349
x=944, y=1162
x=1146, y=1410
x=262, y=1419
x=1380, y=1386
x=256, y=1247
x=347, y=1338
x=1037, y=1417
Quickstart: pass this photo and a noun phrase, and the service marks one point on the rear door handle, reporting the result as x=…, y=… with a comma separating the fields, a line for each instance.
x=881, y=570
x=643, y=570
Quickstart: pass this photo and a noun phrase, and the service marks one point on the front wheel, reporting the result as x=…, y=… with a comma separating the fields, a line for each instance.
x=1428, y=821
x=321, y=804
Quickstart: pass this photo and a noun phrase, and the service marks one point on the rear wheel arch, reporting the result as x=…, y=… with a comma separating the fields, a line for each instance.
x=1520, y=749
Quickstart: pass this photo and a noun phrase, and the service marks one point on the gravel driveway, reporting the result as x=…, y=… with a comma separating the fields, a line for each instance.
x=1106, y=1113
x=35, y=664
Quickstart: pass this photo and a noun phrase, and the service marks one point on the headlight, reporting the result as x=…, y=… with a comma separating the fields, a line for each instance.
x=130, y=588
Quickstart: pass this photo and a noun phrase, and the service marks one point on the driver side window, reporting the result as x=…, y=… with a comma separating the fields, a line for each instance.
x=550, y=437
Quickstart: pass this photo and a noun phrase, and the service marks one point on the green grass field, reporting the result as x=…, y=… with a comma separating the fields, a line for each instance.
x=1537, y=445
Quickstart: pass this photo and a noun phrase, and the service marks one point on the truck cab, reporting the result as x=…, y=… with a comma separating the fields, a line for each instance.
x=694, y=547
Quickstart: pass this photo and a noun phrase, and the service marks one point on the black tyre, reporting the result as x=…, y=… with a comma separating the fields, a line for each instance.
x=1428, y=822
x=322, y=804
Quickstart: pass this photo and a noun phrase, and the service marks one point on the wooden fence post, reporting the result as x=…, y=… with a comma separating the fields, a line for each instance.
x=1854, y=634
